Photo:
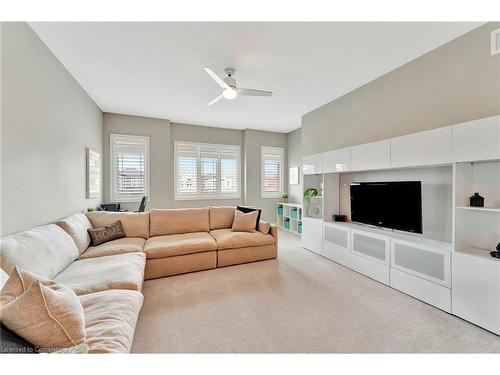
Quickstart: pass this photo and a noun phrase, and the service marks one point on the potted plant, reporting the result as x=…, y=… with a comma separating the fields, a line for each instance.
x=284, y=198
x=309, y=194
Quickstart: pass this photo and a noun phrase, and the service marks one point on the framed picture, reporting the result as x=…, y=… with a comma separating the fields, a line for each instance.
x=294, y=175
x=93, y=174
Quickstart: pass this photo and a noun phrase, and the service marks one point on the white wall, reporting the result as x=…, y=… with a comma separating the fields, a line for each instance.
x=47, y=121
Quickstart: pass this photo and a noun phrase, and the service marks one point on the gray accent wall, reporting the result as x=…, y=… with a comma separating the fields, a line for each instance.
x=47, y=121
x=253, y=141
x=457, y=82
x=158, y=131
x=204, y=134
x=294, y=159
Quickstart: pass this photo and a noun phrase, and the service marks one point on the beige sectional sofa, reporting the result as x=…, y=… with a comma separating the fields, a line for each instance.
x=108, y=278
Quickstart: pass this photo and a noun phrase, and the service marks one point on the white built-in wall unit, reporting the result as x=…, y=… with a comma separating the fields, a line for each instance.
x=289, y=217
x=449, y=265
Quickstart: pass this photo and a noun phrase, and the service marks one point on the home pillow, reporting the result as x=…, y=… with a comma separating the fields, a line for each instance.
x=108, y=233
x=47, y=314
x=248, y=209
x=244, y=222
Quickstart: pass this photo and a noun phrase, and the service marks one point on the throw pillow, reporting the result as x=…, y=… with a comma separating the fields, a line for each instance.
x=264, y=227
x=48, y=316
x=248, y=209
x=112, y=232
x=244, y=222
x=17, y=283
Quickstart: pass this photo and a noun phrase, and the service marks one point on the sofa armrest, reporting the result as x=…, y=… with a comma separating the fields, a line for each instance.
x=274, y=232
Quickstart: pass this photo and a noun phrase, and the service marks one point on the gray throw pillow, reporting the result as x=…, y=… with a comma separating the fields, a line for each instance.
x=112, y=232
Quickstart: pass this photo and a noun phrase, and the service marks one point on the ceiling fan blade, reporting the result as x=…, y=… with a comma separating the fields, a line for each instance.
x=215, y=100
x=216, y=78
x=251, y=92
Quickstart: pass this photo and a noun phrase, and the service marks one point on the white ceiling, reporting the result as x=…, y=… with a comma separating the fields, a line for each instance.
x=155, y=69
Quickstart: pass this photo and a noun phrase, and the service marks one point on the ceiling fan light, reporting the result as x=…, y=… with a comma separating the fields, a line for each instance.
x=229, y=93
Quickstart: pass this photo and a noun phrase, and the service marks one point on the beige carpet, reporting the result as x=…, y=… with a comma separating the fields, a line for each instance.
x=300, y=302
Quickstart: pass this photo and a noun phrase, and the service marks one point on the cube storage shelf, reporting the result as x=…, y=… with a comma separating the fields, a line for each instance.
x=289, y=217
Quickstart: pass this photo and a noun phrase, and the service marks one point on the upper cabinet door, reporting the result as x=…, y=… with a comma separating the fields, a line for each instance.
x=312, y=164
x=374, y=155
x=477, y=140
x=423, y=148
x=337, y=160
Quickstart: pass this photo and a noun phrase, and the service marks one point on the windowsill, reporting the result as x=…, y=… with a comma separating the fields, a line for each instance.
x=272, y=196
x=206, y=198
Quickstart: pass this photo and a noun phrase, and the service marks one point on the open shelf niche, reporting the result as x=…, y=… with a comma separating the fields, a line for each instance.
x=477, y=228
x=314, y=181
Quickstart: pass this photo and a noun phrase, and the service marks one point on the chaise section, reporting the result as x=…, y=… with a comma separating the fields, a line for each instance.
x=122, y=271
x=115, y=247
x=44, y=251
x=244, y=247
x=110, y=319
x=176, y=265
x=227, y=239
x=179, y=244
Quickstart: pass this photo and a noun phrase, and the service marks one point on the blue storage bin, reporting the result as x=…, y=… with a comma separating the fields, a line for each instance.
x=294, y=213
x=286, y=224
x=280, y=210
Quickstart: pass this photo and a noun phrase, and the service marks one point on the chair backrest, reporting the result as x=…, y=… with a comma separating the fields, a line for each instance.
x=142, y=206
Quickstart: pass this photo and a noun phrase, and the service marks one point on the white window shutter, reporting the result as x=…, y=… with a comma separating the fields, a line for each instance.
x=129, y=167
x=207, y=171
x=272, y=169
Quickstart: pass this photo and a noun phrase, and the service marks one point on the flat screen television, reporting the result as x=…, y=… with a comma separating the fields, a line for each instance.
x=395, y=205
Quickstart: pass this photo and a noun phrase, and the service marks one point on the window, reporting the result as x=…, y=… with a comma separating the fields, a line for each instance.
x=272, y=172
x=129, y=167
x=205, y=170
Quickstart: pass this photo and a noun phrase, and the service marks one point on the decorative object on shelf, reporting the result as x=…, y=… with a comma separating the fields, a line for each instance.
x=309, y=194
x=341, y=218
x=476, y=200
x=315, y=211
x=93, y=172
x=294, y=175
x=284, y=198
x=496, y=254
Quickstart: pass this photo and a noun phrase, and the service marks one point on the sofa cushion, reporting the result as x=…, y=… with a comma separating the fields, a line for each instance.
x=246, y=210
x=44, y=250
x=18, y=282
x=227, y=239
x=3, y=278
x=135, y=224
x=108, y=233
x=244, y=222
x=110, y=319
x=221, y=217
x=119, y=246
x=47, y=314
x=178, y=221
x=122, y=271
x=76, y=226
x=264, y=227
x=179, y=244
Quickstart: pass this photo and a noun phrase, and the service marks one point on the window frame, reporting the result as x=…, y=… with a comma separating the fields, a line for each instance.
x=281, y=151
x=120, y=198
x=205, y=196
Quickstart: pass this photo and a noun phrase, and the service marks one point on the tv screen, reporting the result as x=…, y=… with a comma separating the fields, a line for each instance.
x=394, y=205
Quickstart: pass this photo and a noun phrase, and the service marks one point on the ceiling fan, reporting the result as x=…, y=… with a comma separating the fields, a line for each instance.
x=229, y=85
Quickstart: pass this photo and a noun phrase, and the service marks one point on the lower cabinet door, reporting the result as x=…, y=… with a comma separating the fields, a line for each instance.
x=312, y=234
x=429, y=292
x=336, y=242
x=423, y=261
x=476, y=289
x=371, y=246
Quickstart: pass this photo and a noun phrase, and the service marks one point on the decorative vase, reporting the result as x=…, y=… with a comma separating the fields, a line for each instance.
x=476, y=200
x=284, y=200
